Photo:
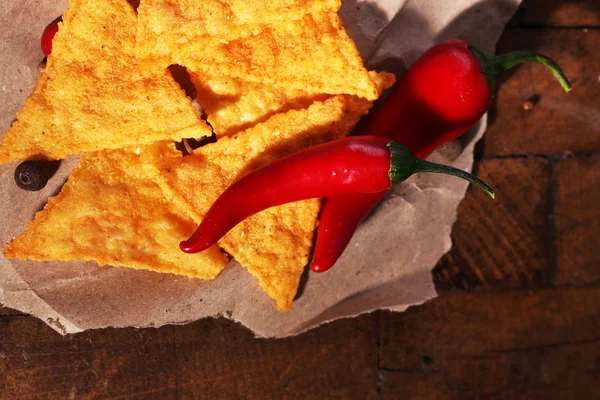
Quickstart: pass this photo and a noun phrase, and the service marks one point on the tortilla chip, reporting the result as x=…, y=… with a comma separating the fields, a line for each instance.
x=382, y=80
x=111, y=211
x=275, y=244
x=222, y=17
x=92, y=96
x=290, y=44
x=233, y=105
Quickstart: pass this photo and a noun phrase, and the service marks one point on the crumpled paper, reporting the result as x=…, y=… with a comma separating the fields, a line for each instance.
x=386, y=266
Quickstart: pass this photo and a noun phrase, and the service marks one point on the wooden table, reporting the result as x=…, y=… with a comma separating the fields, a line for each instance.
x=518, y=314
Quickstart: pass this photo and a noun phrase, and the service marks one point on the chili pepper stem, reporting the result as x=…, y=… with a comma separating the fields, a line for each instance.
x=426, y=166
x=495, y=65
x=404, y=164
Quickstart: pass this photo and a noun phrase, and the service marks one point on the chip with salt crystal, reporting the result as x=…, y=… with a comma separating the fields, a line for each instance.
x=111, y=211
x=92, y=94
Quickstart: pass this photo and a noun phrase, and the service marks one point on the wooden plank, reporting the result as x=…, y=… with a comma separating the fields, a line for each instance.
x=37, y=362
x=553, y=122
x=501, y=243
x=577, y=214
x=219, y=359
x=561, y=12
x=565, y=372
x=510, y=344
x=212, y=358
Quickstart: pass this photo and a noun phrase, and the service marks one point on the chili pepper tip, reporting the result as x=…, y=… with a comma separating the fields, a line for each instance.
x=317, y=267
x=188, y=246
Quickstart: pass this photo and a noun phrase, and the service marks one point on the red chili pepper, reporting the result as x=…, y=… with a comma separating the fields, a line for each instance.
x=48, y=36
x=445, y=92
x=366, y=164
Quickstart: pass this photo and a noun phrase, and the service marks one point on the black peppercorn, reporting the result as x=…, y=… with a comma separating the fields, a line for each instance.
x=31, y=175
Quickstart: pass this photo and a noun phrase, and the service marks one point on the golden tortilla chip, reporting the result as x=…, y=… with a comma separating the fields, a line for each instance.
x=233, y=105
x=275, y=244
x=290, y=44
x=111, y=211
x=383, y=80
x=222, y=18
x=92, y=96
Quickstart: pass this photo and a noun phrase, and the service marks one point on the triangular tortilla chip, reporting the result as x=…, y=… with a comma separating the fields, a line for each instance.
x=92, y=96
x=286, y=43
x=111, y=211
x=233, y=105
x=275, y=244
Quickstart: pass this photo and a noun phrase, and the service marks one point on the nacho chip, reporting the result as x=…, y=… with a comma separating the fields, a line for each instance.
x=275, y=244
x=382, y=80
x=111, y=211
x=290, y=44
x=222, y=17
x=233, y=105
x=92, y=96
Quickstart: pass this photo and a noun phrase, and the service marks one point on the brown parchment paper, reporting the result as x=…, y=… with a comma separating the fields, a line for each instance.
x=386, y=266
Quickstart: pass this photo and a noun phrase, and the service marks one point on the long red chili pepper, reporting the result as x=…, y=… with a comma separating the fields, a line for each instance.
x=445, y=92
x=366, y=164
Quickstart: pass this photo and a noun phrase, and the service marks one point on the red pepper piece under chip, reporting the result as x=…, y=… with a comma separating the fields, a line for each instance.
x=48, y=36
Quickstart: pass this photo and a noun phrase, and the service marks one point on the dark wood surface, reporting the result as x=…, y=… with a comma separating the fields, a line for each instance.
x=518, y=314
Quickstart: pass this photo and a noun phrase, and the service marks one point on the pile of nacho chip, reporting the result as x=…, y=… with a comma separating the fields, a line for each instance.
x=271, y=77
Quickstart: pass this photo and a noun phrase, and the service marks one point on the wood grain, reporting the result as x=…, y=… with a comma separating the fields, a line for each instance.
x=516, y=344
x=218, y=359
x=36, y=362
x=212, y=358
x=577, y=215
x=501, y=243
x=562, y=13
x=558, y=122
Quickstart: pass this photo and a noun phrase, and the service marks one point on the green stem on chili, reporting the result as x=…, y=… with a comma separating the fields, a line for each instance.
x=404, y=164
x=495, y=65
